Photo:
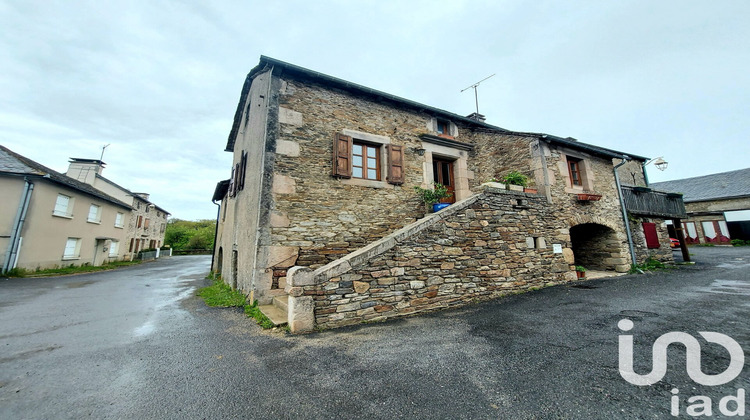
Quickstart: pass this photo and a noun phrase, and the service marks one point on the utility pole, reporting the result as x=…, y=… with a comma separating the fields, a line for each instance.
x=102, y=156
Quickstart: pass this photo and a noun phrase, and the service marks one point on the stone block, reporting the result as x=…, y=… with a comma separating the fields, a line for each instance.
x=301, y=314
x=282, y=256
x=283, y=184
x=361, y=286
x=453, y=251
x=568, y=256
x=416, y=284
x=287, y=148
x=287, y=116
x=279, y=219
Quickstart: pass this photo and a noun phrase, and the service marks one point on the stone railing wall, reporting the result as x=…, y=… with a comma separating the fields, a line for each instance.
x=488, y=245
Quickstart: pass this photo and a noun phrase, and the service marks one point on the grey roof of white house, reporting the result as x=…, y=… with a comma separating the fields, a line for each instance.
x=13, y=164
x=732, y=184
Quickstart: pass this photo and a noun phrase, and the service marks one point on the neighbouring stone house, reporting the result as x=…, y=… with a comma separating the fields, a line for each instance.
x=718, y=206
x=144, y=225
x=320, y=209
x=49, y=220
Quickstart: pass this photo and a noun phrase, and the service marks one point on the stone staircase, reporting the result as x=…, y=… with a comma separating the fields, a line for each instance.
x=278, y=309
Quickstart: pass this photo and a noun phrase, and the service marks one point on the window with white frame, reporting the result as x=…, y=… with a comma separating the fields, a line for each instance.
x=118, y=220
x=63, y=206
x=95, y=214
x=114, y=248
x=72, y=249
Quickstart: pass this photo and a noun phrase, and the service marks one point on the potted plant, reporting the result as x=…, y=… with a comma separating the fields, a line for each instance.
x=434, y=195
x=581, y=272
x=515, y=178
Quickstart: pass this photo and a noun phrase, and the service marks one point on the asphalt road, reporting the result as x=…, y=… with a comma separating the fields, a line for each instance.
x=137, y=344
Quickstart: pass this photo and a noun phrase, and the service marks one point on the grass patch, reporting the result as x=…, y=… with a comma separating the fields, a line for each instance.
x=648, y=265
x=221, y=294
x=71, y=269
x=252, y=311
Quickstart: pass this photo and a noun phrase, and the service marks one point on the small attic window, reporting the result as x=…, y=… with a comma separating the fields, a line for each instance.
x=443, y=127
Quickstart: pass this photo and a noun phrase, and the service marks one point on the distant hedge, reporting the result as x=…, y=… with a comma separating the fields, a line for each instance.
x=190, y=235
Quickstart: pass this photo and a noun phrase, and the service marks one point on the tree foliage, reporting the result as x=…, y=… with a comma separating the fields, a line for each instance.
x=186, y=234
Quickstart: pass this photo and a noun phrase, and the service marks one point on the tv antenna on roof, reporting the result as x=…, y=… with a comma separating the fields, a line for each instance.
x=476, y=98
x=102, y=156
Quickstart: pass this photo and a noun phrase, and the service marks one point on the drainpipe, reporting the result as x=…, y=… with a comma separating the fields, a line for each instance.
x=11, y=255
x=645, y=175
x=625, y=160
x=543, y=158
x=216, y=233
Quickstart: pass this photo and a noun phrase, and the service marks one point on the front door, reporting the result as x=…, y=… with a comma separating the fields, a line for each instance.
x=442, y=171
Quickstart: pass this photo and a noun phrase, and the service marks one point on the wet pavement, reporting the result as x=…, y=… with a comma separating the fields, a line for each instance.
x=136, y=343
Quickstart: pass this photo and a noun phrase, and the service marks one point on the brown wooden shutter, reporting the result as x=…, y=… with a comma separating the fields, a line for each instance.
x=395, y=164
x=243, y=169
x=652, y=238
x=342, y=156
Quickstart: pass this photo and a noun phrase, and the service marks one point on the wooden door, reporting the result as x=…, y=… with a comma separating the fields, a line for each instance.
x=442, y=171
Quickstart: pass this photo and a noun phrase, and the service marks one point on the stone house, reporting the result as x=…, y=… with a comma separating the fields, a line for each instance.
x=146, y=223
x=50, y=220
x=321, y=218
x=718, y=206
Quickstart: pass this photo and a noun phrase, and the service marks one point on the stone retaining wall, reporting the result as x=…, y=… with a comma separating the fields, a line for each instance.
x=489, y=245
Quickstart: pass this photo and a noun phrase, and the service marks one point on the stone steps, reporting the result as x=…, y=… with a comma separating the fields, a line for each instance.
x=277, y=311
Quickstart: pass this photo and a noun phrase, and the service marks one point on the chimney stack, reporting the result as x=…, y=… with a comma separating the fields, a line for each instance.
x=476, y=117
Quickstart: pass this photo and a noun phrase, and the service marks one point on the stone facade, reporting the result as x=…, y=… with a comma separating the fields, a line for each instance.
x=290, y=211
x=490, y=245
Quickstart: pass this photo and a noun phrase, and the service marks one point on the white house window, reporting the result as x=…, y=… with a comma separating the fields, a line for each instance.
x=118, y=220
x=72, y=249
x=95, y=214
x=63, y=206
x=114, y=248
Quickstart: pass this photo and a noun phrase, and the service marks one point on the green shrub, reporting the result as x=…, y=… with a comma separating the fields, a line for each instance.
x=433, y=196
x=515, y=178
x=740, y=242
x=649, y=265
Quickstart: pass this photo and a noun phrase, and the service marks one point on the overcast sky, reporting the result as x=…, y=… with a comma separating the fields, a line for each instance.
x=159, y=80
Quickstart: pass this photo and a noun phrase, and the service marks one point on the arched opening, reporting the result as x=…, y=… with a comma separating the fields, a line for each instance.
x=219, y=260
x=596, y=247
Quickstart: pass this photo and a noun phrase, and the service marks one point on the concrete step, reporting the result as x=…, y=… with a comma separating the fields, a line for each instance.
x=281, y=302
x=276, y=315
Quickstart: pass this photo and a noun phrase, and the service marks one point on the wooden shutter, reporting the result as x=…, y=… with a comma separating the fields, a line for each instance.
x=395, y=164
x=230, y=190
x=243, y=168
x=652, y=238
x=342, y=156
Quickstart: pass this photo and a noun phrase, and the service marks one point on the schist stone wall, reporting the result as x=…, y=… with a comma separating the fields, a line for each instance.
x=317, y=218
x=491, y=244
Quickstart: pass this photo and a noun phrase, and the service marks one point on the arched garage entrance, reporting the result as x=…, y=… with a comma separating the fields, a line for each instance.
x=596, y=247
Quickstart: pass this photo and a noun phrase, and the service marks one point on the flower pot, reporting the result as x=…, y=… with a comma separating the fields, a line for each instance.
x=581, y=274
x=530, y=190
x=439, y=206
x=589, y=197
x=512, y=187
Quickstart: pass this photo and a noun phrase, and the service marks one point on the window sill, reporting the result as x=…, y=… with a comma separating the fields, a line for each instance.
x=120, y=227
x=63, y=216
x=71, y=258
x=365, y=183
x=95, y=222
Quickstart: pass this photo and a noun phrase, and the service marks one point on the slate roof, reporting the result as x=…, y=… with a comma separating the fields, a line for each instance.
x=221, y=190
x=725, y=185
x=12, y=163
x=280, y=67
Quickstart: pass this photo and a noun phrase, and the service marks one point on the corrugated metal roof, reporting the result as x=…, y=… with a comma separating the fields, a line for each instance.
x=710, y=187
